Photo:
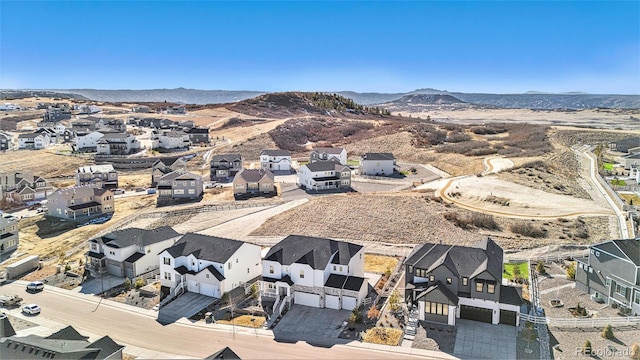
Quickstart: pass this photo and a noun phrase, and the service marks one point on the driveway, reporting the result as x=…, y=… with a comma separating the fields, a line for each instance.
x=477, y=340
x=99, y=285
x=186, y=305
x=315, y=326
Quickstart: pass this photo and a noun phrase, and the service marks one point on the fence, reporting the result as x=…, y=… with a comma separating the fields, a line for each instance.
x=582, y=322
x=547, y=258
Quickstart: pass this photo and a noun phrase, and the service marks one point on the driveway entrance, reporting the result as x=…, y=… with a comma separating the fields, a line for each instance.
x=476, y=340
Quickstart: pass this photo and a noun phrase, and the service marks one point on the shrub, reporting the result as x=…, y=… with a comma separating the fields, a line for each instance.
x=140, y=283
x=394, y=301
x=127, y=284
x=67, y=267
x=586, y=348
x=478, y=220
x=527, y=229
x=356, y=316
x=571, y=271
x=456, y=137
x=607, y=332
x=254, y=291
x=373, y=313
x=387, y=272
x=635, y=351
x=540, y=268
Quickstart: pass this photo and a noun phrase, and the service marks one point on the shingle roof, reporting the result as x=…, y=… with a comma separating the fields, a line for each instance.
x=96, y=168
x=79, y=192
x=106, y=346
x=67, y=333
x=329, y=165
x=625, y=248
x=29, y=136
x=378, y=156
x=255, y=175
x=354, y=283
x=180, y=174
x=276, y=152
x=205, y=247
x=511, y=295
x=313, y=251
x=438, y=290
x=225, y=353
x=227, y=157
x=328, y=150
x=139, y=237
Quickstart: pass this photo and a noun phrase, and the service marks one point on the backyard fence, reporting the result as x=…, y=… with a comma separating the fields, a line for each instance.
x=596, y=322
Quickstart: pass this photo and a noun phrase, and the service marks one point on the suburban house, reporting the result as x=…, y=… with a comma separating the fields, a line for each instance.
x=276, y=160
x=164, y=166
x=114, y=124
x=625, y=145
x=87, y=142
x=175, y=110
x=324, y=154
x=87, y=109
x=66, y=343
x=140, y=109
x=103, y=176
x=179, y=185
x=83, y=126
x=8, y=235
x=253, y=182
x=198, y=135
x=5, y=141
x=23, y=188
x=223, y=354
x=80, y=202
x=170, y=141
x=449, y=282
x=631, y=160
x=208, y=265
x=324, y=175
x=377, y=164
x=225, y=166
x=34, y=141
x=317, y=272
x=55, y=115
x=116, y=143
x=611, y=273
x=130, y=252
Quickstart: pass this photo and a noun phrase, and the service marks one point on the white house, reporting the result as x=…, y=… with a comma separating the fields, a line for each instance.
x=275, y=160
x=324, y=175
x=9, y=107
x=170, y=140
x=103, y=176
x=208, y=265
x=323, y=154
x=34, y=141
x=314, y=272
x=130, y=252
x=88, y=142
x=117, y=143
x=377, y=164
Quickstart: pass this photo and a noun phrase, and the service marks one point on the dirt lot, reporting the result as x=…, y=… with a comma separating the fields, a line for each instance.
x=44, y=163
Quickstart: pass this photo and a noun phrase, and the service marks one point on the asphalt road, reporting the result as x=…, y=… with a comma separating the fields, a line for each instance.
x=145, y=332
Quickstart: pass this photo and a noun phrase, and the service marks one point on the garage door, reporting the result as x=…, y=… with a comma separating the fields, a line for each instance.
x=476, y=313
x=192, y=286
x=508, y=317
x=333, y=302
x=306, y=299
x=207, y=289
x=115, y=270
x=348, y=303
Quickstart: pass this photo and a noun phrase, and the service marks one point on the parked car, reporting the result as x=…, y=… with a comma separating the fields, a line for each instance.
x=10, y=300
x=31, y=309
x=140, y=189
x=35, y=286
x=118, y=191
x=151, y=191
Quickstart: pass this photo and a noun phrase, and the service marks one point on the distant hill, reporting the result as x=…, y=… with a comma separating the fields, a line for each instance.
x=21, y=94
x=425, y=102
x=179, y=95
x=552, y=101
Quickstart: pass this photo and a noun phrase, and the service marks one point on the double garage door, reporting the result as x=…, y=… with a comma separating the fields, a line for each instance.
x=476, y=313
x=306, y=299
x=333, y=302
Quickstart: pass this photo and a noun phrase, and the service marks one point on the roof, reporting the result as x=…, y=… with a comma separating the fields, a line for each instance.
x=329, y=165
x=180, y=174
x=328, y=150
x=626, y=249
x=205, y=247
x=174, y=134
x=226, y=157
x=96, y=168
x=79, y=192
x=84, y=205
x=354, y=283
x=511, y=295
x=378, y=156
x=255, y=175
x=460, y=260
x=6, y=329
x=113, y=135
x=67, y=333
x=286, y=279
x=276, y=152
x=438, y=292
x=225, y=353
x=633, y=156
x=139, y=237
x=107, y=347
x=134, y=257
x=29, y=136
x=316, y=252
x=167, y=161
x=215, y=272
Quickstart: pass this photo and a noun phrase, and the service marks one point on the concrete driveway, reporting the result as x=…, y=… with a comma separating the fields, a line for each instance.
x=99, y=285
x=478, y=340
x=315, y=326
x=186, y=305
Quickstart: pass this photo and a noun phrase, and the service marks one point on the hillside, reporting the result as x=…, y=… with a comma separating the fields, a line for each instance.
x=427, y=102
x=179, y=95
x=552, y=101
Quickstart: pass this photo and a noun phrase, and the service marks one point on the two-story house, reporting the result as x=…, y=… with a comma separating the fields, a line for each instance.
x=55, y=115
x=175, y=110
x=24, y=188
x=83, y=126
x=170, y=141
x=198, y=135
x=5, y=141
x=9, y=238
x=140, y=109
x=179, y=185
x=378, y=164
x=129, y=252
x=87, y=142
x=447, y=282
x=316, y=272
x=253, y=182
x=225, y=166
x=163, y=166
x=34, y=141
x=612, y=272
x=324, y=175
x=103, y=176
x=276, y=161
x=208, y=265
x=115, y=143
x=80, y=203
x=324, y=154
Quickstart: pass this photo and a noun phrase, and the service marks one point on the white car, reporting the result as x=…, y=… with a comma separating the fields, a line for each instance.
x=31, y=309
x=35, y=286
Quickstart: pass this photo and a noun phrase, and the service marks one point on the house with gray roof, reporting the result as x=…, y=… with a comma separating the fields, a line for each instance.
x=24, y=188
x=225, y=353
x=129, y=252
x=34, y=141
x=316, y=272
x=611, y=274
x=378, y=164
x=66, y=343
x=208, y=265
x=163, y=166
x=277, y=161
x=253, y=182
x=179, y=185
x=224, y=167
x=80, y=203
x=103, y=176
x=173, y=140
x=9, y=238
x=5, y=141
x=324, y=175
x=117, y=143
x=449, y=282
x=329, y=153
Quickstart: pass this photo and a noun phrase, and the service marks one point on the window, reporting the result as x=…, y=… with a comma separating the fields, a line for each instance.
x=192, y=191
x=270, y=269
x=479, y=286
x=334, y=268
x=207, y=276
x=301, y=274
x=621, y=290
x=236, y=260
x=465, y=281
x=410, y=269
x=229, y=265
x=448, y=280
x=247, y=270
x=491, y=288
x=597, y=253
x=436, y=308
x=167, y=276
x=637, y=298
x=167, y=261
x=340, y=268
x=432, y=278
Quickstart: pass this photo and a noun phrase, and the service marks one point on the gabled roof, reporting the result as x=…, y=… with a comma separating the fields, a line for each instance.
x=179, y=175
x=628, y=249
x=6, y=329
x=276, y=152
x=329, y=165
x=79, y=192
x=67, y=333
x=438, y=292
x=316, y=252
x=167, y=161
x=227, y=157
x=214, y=272
x=205, y=247
x=96, y=169
x=29, y=136
x=138, y=237
x=106, y=347
x=255, y=175
x=377, y=156
x=225, y=353
x=511, y=295
x=328, y=150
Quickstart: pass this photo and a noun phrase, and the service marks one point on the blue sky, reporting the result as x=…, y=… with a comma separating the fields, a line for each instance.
x=476, y=46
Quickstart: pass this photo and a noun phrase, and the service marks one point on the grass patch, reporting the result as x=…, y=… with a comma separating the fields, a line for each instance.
x=378, y=264
x=244, y=320
x=303, y=162
x=631, y=199
x=383, y=336
x=618, y=182
x=353, y=162
x=608, y=166
x=508, y=270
